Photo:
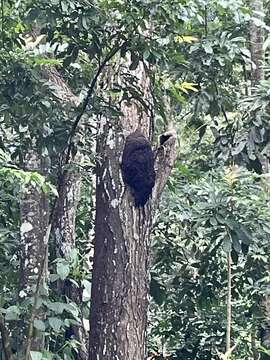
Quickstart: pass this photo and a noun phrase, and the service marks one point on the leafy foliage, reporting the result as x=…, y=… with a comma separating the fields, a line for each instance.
x=217, y=213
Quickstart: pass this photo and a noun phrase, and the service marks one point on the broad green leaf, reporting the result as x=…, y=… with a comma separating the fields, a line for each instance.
x=12, y=313
x=36, y=355
x=39, y=325
x=62, y=269
x=185, y=38
x=55, y=323
x=227, y=244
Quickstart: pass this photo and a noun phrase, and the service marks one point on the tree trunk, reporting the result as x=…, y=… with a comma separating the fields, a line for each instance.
x=65, y=235
x=256, y=42
x=34, y=222
x=64, y=218
x=229, y=303
x=65, y=213
x=121, y=256
x=257, y=74
x=265, y=326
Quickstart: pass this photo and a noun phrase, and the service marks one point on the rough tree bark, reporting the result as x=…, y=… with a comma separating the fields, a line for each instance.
x=257, y=74
x=229, y=303
x=63, y=227
x=64, y=215
x=256, y=41
x=34, y=222
x=121, y=256
x=65, y=239
x=34, y=206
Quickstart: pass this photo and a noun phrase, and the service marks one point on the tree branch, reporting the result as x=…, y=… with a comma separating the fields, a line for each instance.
x=165, y=158
x=87, y=99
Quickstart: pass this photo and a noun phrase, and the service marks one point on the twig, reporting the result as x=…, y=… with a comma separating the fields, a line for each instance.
x=205, y=21
x=87, y=99
x=245, y=78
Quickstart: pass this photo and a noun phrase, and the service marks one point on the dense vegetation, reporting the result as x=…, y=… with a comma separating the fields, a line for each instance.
x=213, y=219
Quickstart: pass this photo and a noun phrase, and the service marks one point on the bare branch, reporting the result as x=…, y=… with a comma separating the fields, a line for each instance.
x=87, y=99
x=165, y=158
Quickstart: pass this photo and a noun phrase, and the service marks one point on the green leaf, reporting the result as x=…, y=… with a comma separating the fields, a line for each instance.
x=208, y=48
x=157, y=291
x=56, y=307
x=266, y=43
x=226, y=244
x=84, y=23
x=239, y=147
x=64, y=6
x=55, y=323
x=12, y=313
x=36, y=355
x=46, y=103
x=63, y=269
x=39, y=325
x=246, y=53
x=73, y=309
x=54, y=277
x=86, y=296
x=146, y=54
